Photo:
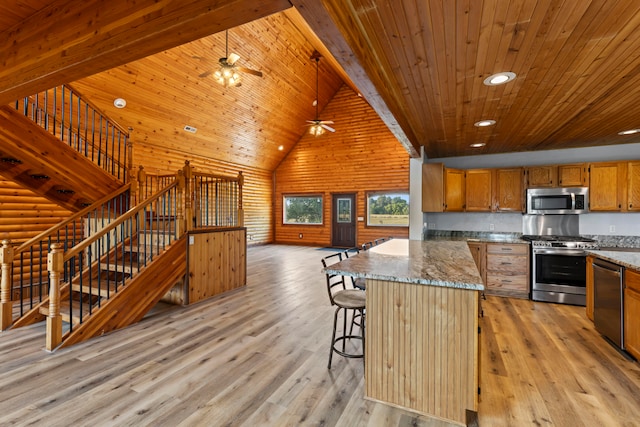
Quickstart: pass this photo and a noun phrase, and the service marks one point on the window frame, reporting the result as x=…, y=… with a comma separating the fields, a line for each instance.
x=301, y=196
x=391, y=193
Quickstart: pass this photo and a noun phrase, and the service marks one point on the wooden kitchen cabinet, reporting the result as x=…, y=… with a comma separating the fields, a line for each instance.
x=632, y=312
x=507, y=270
x=542, y=176
x=633, y=186
x=572, y=175
x=478, y=190
x=589, y=286
x=607, y=186
x=442, y=188
x=508, y=194
x=479, y=254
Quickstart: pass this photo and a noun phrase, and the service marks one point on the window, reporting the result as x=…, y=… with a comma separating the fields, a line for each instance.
x=388, y=209
x=303, y=209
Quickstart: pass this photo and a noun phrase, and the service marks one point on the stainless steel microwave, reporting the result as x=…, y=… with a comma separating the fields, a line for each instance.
x=560, y=201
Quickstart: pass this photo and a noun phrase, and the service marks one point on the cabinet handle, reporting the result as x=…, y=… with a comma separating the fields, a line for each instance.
x=506, y=281
x=505, y=263
x=507, y=249
x=630, y=205
x=619, y=206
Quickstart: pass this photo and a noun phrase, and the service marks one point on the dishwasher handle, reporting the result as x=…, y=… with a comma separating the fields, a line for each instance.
x=609, y=266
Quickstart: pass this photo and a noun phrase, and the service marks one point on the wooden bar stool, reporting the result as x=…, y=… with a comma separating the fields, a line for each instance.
x=349, y=301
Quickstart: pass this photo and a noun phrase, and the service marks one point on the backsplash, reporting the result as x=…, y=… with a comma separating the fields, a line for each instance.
x=605, y=241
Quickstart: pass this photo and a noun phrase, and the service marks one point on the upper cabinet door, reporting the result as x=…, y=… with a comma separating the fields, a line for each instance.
x=479, y=186
x=542, y=176
x=454, y=190
x=607, y=186
x=633, y=193
x=509, y=190
x=432, y=187
x=572, y=175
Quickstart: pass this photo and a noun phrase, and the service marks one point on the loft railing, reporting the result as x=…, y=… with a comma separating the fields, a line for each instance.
x=28, y=283
x=82, y=126
x=216, y=199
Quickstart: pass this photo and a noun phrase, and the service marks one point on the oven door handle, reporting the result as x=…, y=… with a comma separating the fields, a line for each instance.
x=568, y=252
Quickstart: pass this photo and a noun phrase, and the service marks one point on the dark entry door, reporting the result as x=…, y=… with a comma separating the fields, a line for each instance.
x=343, y=220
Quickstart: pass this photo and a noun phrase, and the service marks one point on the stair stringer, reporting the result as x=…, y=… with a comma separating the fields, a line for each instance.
x=139, y=296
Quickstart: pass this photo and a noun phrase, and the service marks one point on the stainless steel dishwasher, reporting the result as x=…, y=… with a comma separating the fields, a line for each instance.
x=608, y=301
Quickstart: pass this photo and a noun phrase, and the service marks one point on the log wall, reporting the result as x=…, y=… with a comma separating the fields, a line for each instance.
x=257, y=190
x=361, y=156
x=24, y=215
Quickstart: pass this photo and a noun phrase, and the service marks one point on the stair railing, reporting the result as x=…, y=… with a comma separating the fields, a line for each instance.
x=107, y=260
x=217, y=200
x=25, y=282
x=81, y=125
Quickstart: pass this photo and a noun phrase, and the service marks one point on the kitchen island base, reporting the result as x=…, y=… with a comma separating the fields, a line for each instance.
x=422, y=349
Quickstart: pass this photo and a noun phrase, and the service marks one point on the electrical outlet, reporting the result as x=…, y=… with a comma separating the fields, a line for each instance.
x=492, y=227
x=612, y=229
x=300, y=236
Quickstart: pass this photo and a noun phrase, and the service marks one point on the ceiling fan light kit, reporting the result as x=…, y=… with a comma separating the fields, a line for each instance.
x=228, y=73
x=318, y=126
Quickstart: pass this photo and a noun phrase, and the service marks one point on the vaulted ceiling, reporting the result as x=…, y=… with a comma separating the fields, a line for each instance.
x=419, y=64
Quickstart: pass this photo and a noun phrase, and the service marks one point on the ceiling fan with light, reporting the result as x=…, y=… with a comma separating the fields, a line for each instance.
x=227, y=74
x=317, y=126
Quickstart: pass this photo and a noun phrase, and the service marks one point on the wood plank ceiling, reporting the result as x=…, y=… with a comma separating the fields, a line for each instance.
x=420, y=65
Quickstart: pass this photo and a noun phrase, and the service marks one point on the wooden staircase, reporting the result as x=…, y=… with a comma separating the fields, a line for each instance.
x=39, y=161
x=119, y=292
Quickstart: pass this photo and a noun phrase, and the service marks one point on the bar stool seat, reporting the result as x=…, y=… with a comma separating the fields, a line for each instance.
x=349, y=302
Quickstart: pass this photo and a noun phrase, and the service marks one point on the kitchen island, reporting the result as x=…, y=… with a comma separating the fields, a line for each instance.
x=422, y=343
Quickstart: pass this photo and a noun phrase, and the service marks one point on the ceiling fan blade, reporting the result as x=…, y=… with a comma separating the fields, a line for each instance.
x=206, y=73
x=233, y=57
x=325, y=122
x=249, y=71
x=329, y=128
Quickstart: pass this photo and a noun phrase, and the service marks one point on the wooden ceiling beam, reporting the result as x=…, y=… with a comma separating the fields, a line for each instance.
x=69, y=40
x=323, y=25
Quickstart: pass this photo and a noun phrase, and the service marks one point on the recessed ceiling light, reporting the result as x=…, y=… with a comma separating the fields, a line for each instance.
x=281, y=147
x=478, y=145
x=629, y=132
x=484, y=123
x=119, y=103
x=499, y=78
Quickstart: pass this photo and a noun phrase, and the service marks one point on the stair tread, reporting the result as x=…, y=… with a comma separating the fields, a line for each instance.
x=65, y=312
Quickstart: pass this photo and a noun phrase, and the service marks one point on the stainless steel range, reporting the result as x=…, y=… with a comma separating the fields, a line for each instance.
x=558, y=261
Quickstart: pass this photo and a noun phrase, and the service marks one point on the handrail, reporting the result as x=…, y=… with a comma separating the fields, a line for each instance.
x=102, y=113
x=51, y=231
x=74, y=251
x=215, y=176
x=82, y=126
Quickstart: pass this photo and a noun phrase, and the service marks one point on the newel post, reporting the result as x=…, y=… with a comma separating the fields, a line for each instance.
x=55, y=265
x=188, y=209
x=180, y=226
x=6, y=307
x=130, y=154
x=240, y=208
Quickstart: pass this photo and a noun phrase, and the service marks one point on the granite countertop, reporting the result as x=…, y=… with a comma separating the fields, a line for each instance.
x=475, y=236
x=629, y=259
x=432, y=262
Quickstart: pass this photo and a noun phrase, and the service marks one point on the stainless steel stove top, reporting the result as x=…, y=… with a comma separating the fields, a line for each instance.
x=569, y=242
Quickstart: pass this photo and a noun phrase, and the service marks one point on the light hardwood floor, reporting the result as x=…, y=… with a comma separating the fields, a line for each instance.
x=257, y=357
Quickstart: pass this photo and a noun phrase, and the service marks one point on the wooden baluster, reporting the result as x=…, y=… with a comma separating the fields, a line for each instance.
x=142, y=181
x=240, y=208
x=55, y=265
x=133, y=198
x=129, y=170
x=188, y=212
x=180, y=225
x=6, y=307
